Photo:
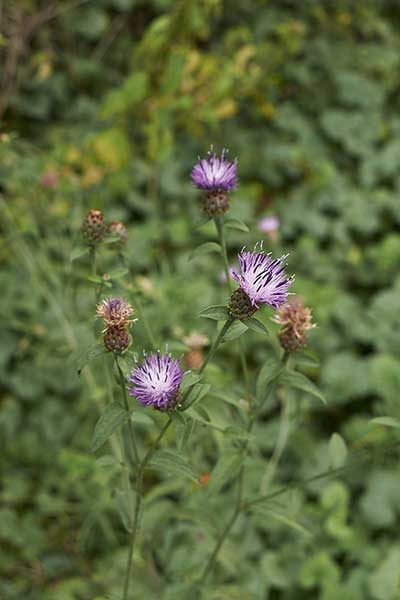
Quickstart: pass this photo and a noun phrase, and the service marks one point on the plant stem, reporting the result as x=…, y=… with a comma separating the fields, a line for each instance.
x=219, y=224
x=126, y=404
x=210, y=564
x=138, y=504
x=215, y=344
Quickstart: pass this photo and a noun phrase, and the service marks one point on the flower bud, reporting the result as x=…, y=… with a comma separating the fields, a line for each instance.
x=215, y=203
x=118, y=229
x=116, y=339
x=240, y=305
x=94, y=227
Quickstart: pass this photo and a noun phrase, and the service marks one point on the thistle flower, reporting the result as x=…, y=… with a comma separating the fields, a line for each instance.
x=156, y=381
x=216, y=176
x=115, y=312
x=118, y=229
x=262, y=280
x=296, y=321
x=215, y=173
x=94, y=227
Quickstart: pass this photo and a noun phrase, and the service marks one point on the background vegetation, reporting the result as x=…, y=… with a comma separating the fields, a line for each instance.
x=107, y=104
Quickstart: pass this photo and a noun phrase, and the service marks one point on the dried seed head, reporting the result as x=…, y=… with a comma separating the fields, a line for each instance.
x=116, y=339
x=94, y=227
x=240, y=305
x=118, y=229
x=115, y=312
x=296, y=321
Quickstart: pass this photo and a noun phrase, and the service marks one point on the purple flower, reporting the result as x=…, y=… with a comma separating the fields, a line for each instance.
x=263, y=278
x=269, y=224
x=115, y=312
x=156, y=381
x=215, y=173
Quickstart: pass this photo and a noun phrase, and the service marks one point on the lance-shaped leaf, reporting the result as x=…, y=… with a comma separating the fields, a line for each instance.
x=206, y=248
x=113, y=417
x=218, y=312
x=298, y=381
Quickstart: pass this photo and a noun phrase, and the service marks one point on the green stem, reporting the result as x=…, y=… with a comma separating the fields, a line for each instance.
x=126, y=404
x=216, y=343
x=211, y=561
x=138, y=504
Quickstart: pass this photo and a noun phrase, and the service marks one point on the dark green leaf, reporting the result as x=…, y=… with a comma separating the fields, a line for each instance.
x=297, y=380
x=173, y=463
x=255, y=325
x=112, y=418
x=205, y=248
x=237, y=224
x=217, y=313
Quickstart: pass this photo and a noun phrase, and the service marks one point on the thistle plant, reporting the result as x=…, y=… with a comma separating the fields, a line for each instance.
x=159, y=382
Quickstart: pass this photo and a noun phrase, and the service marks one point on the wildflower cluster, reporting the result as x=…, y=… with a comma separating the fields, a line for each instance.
x=95, y=229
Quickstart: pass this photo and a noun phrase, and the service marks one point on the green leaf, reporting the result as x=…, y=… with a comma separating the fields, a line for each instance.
x=218, y=312
x=235, y=330
x=118, y=274
x=189, y=380
x=269, y=375
x=337, y=451
x=237, y=224
x=205, y=248
x=298, y=381
x=225, y=470
x=255, y=325
x=285, y=520
x=386, y=421
x=78, y=252
x=88, y=355
x=95, y=279
x=203, y=220
x=173, y=463
x=198, y=392
x=112, y=418
x=125, y=501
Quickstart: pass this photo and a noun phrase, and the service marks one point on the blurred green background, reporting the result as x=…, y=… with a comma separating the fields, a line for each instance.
x=107, y=104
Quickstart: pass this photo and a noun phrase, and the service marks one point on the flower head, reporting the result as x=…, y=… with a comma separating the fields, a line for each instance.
x=262, y=278
x=296, y=321
x=94, y=227
x=215, y=173
x=269, y=224
x=115, y=312
x=156, y=381
x=118, y=229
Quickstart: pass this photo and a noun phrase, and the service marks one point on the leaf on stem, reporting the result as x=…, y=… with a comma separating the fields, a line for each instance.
x=198, y=392
x=337, y=451
x=94, y=351
x=113, y=417
x=225, y=470
x=78, y=252
x=237, y=224
x=298, y=381
x=206, y=248
x=386, y=421
x=173, y=463
x=235, y=330
x=255, y=325
x=218, y=312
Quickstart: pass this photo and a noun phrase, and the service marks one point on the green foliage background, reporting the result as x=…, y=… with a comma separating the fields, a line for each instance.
x=116, y=98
